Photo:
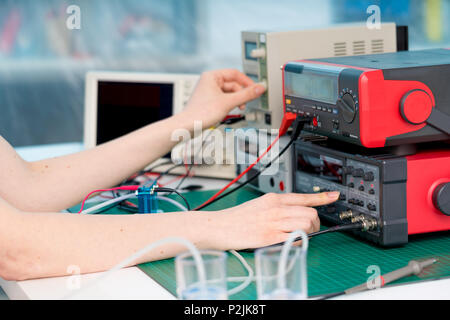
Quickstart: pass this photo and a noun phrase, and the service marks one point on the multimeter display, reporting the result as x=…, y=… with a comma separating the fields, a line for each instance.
x=321, y=87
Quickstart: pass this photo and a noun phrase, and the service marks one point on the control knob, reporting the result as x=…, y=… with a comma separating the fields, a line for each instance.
x=347, y=105
x=259, y=53
x=358, y=173
x=441, y=198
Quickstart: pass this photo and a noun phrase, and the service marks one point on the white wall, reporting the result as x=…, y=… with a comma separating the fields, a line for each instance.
x=225, y=19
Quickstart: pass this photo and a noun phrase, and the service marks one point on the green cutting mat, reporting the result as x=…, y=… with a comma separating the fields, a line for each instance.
x=335, y=261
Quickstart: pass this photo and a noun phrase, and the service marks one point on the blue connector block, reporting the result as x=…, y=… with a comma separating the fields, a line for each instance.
x=147, y=202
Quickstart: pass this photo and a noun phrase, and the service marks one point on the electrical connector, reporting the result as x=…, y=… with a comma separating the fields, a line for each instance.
x=344, y=215
x=147, y=202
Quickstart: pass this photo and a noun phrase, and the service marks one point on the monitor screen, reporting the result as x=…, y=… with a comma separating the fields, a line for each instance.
x=123, y=107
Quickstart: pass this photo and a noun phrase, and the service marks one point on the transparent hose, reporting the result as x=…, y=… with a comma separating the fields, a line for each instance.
x=107, y=203
x=246, y=280
x=175, y=203
x=128, y=196
x=282, y=264
x=131, y=259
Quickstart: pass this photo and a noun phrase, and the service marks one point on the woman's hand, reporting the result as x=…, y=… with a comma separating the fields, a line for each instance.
x=269, y=219
x=217, y=93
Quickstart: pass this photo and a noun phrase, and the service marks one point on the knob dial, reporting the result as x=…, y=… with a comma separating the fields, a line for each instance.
x=348, y=170
x=358, y=173
x=259, y=53
x=348, y=107
x=441, y=198
x=369, y=176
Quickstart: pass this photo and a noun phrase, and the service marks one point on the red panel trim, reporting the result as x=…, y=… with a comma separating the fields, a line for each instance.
x=284, y=97
x=379, y=108
x=426, y=171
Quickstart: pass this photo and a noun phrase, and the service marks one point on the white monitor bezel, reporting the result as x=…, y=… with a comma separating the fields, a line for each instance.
x=182, y=85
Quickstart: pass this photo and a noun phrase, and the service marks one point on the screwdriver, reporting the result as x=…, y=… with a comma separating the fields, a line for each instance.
x=414, y=267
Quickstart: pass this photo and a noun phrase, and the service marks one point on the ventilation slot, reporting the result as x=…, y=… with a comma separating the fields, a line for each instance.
x=378, y=46
x=340, y=49
x=359, y=47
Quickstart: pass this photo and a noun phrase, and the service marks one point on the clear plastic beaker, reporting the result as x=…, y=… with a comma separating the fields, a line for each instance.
x=190, y=287
x=282, y=275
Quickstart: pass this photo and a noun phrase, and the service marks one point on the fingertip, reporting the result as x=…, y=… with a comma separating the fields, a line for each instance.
x=334, y=195
x=259, y=89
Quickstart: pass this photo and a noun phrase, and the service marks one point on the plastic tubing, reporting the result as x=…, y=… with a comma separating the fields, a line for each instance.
x=247, y=280
x=175, y=203
x=107, y=203
x=131, y=259
x=282, y=264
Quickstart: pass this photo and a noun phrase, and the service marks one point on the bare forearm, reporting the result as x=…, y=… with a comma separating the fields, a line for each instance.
x=95, y=243
x=59, y=183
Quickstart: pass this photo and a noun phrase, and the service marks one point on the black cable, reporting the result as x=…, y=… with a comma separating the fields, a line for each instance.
x=170, y=190
x=299, y=124
x=338, y=228
x=169, y=170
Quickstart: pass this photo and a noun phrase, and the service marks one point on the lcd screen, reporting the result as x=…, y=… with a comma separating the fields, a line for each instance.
x=320, y=166
x=312, y=86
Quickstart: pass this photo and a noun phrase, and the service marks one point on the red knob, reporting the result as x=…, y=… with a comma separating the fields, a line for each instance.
x=416, y=106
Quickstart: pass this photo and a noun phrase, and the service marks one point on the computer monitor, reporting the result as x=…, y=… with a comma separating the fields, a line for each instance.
x=119, y=102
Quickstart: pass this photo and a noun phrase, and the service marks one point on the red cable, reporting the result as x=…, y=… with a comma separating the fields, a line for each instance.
x=288, y=119
x=241, y=175
x=125, y=188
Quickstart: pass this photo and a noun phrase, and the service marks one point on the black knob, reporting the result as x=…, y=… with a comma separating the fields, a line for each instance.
x=336, y=125
x=361, y=188
x=348, y=170
x=441, y=198
x=272, y=182
x=348, y=107
x=358, y=173
x=369, y=176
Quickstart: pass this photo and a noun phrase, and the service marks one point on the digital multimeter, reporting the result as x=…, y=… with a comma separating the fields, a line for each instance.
x=373, y=100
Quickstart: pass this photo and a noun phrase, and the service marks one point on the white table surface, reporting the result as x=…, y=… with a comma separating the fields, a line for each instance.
x=132, y=283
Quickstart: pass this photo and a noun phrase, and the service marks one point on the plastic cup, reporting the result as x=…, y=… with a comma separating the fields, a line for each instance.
x=189, y=286
x=275, y=282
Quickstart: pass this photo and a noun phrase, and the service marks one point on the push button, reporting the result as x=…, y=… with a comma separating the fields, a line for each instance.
x=358, y=173
x=368, y=176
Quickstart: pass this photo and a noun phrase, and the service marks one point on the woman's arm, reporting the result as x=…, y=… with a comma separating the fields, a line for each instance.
x=35, y=245
x=59, y=183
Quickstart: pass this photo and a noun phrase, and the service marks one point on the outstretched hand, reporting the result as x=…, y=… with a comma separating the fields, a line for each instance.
x=270, y=219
